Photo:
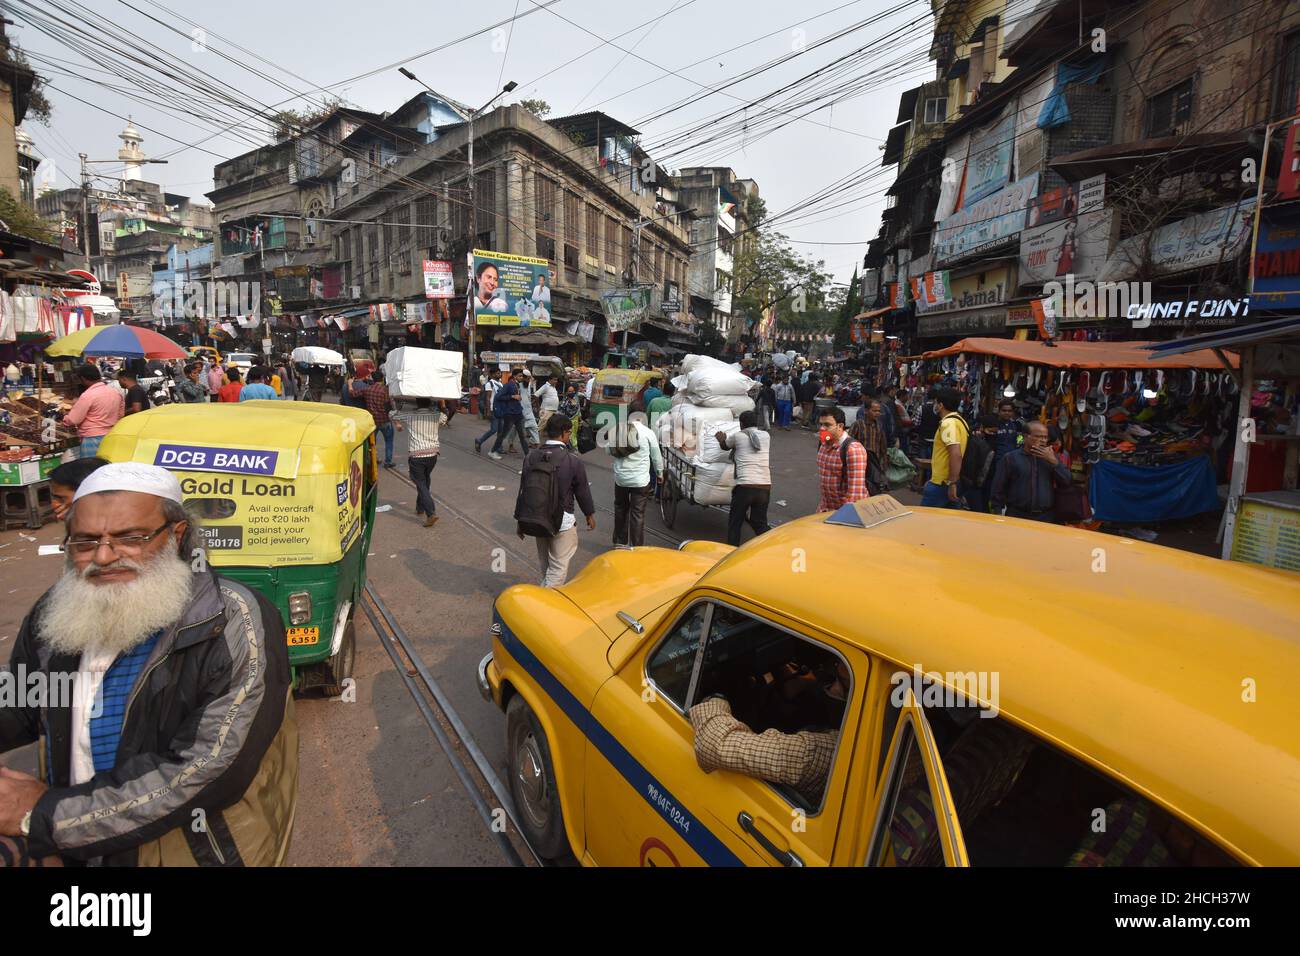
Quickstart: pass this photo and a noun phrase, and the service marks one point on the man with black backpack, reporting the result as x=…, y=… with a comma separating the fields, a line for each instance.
x=959, y=461
x=552, y=478
x=841, y=463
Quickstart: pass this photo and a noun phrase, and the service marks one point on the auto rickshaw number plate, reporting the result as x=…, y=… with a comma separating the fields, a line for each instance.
x=300, y=636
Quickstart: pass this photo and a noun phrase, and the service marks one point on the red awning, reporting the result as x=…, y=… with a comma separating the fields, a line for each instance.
x=1083, y=354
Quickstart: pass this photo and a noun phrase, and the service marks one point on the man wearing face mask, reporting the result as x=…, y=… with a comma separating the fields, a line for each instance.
x=841, y=463
x=800, y=760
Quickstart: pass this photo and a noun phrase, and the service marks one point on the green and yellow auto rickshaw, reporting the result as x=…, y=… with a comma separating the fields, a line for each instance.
x=614, y=390
x=286, y=492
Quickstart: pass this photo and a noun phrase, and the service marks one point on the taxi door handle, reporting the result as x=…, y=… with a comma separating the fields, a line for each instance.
x=784, y=857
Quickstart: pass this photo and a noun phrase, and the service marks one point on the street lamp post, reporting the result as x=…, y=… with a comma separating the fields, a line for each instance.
x=473, y=215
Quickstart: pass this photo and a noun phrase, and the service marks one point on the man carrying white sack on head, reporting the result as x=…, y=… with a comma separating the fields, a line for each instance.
x=176, y=744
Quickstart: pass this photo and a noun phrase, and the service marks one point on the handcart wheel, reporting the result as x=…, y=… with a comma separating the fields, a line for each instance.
x=668, y=504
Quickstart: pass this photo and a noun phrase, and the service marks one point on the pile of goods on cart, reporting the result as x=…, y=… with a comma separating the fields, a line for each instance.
x=710, y=396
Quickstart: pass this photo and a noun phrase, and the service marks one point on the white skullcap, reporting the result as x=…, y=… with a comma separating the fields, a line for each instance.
x=131, y=476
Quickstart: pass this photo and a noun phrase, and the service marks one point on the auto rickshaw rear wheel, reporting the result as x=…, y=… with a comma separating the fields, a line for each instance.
x=532, y=782
x=338, y=668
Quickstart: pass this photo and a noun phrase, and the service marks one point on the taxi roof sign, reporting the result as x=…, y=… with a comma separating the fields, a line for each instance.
x=868, y=512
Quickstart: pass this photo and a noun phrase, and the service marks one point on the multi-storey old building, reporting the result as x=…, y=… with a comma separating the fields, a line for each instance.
x=720, y=229
x=340, y=218
x=1086, y=141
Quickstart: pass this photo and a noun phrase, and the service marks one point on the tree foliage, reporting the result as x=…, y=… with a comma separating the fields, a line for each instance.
x=38, y=104
x=22, y=219
x=286, y=124
x=769, y=274
x=539, y=108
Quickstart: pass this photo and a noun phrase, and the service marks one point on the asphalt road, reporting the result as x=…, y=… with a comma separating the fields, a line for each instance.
x=375, y=787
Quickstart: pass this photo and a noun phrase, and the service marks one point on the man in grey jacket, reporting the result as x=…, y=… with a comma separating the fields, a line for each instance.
x=166, y=733
x=750, y=450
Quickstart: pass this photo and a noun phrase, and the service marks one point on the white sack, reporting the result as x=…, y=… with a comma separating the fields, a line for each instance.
x=713, y=483
x=424, y=373
x=709, y=449
x=733, y=403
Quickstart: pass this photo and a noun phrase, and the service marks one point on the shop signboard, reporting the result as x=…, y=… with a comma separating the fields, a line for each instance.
x=625, y=309
x=438, y=282
x=1193, y=243
x=969, y=292
x=1065, y=202
x=1276, y=269
x=672, y=303
x=989, y=165
x=970, y=322
x=511, y=290
x=991, y=222
x=1267, y=531
x=1078, y=245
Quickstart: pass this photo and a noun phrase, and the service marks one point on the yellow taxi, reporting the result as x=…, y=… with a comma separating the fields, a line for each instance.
x=905, y=688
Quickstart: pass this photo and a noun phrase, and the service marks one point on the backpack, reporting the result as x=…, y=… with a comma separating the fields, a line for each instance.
x=977, y=460
x=586, y=438
x=628, y=443
x=844, y=463
x=539, y=509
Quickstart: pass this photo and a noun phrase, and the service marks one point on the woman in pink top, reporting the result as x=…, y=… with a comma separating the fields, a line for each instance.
x=216, y=379
x=96, y=411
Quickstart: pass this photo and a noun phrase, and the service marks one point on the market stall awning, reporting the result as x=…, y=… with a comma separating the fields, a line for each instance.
x=1202, y=152
x=1083, y=354
x=872, y=313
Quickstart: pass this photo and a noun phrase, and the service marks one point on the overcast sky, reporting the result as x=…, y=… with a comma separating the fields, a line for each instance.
x=324, y=42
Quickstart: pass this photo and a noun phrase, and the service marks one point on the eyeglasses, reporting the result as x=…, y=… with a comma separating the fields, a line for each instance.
x=118, y=544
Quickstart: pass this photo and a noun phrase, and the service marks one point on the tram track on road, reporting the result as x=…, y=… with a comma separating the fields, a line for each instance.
x=486, y=791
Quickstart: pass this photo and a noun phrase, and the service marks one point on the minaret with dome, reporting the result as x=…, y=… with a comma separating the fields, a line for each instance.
x=130, y=153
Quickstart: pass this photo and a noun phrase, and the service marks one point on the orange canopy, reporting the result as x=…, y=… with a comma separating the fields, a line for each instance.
x=1083, y=354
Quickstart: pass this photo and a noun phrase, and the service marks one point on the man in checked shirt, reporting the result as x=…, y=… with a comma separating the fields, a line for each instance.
x=841, y=462
x=423, y=446
x=800, y=760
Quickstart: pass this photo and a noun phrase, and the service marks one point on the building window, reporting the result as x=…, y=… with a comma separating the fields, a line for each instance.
x=1288, y=76
x=572, y=232
x=372, y=256
x=426, y=224
x=485, y=199
x=402, y=252
x=936, y=109
x=626, y=233
x=612, y=256
x=1168, y=111
x=593, y=232
x=544, y=207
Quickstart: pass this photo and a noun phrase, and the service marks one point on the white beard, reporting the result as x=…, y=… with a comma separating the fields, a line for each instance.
x=114, y=618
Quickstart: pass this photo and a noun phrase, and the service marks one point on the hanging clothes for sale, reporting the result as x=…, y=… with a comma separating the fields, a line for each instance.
x=8, y=330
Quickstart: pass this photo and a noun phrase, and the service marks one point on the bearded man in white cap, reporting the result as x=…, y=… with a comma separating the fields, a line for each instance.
x=168, y=735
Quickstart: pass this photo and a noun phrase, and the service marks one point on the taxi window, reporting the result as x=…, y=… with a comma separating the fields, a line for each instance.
x=1021, y=801
x=909, y=836
x=776, y=680
x=671, y=665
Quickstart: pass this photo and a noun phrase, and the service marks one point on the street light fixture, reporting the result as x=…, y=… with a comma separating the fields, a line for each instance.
x=473, y=206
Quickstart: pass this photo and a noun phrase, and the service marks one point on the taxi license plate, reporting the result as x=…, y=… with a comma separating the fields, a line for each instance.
x=301, y=636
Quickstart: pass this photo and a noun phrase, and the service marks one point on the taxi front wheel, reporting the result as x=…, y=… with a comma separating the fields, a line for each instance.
x=532, y=782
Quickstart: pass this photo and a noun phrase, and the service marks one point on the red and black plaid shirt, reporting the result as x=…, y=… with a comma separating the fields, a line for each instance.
x=378, y=402
x=837, y=488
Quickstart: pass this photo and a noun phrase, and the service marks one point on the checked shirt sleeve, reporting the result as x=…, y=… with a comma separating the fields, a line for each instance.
x=801, y=760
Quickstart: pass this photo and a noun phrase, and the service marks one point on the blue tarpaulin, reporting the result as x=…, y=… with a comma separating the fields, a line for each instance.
x=1129, y=493
x=1056, y=111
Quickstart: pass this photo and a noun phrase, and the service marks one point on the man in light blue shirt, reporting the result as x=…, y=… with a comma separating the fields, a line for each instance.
x=257, y=385
x=632, y=485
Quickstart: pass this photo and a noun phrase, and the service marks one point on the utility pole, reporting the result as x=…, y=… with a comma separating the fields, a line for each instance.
x=473, y=217
x=85, y=214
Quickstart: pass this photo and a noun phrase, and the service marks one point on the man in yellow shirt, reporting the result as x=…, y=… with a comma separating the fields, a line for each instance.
x=943, y=489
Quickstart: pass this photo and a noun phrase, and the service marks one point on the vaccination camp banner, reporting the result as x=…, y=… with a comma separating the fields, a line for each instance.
x=511, y=290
